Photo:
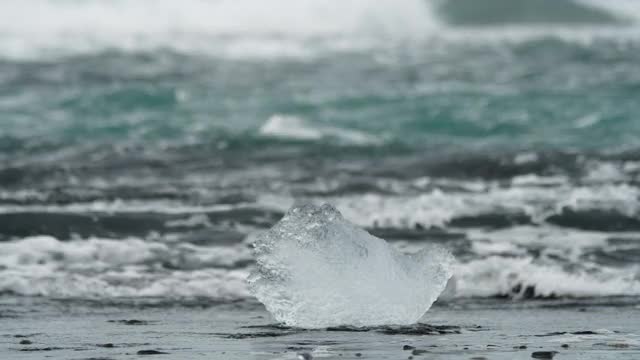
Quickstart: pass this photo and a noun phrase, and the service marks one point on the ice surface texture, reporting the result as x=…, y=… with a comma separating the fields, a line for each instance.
x=315, y=269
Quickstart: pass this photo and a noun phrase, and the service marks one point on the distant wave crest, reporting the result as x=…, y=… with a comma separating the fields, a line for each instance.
x=249, y=28
x=296, y=128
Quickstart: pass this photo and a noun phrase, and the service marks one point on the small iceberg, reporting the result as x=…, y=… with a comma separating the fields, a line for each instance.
x=315, y=270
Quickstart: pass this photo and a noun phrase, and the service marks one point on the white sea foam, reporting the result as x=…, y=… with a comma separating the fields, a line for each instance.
x=121, y=206
x=253, y=28
x=437, y=207
x=108, y=268
x=238, y=28
x=215, y=284
x=496, y=275
x=290, y=127
x=505, y=262
x=97, y=253
x=536, y=196
x=294, y=127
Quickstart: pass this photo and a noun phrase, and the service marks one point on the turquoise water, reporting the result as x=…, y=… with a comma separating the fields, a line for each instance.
x=573, y=83
x=540, y=93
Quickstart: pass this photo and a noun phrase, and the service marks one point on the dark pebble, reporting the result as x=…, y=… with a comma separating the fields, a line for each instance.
x=418, y=329
x=130, y=322
x=151, y=352
x=297, y=348
x=587, y=332
x=418, y=352
x=25, y=342
x=556, y=333
x=543, y=354
x=408, y=347
x=41, y=349
x=358, y=354
x=305, y=356
x=264, y=334
x=566, y=346
x=346, y=328
x=107, y=345
x=522, y=347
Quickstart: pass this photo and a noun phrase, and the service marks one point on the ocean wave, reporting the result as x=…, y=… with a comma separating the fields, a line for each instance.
x=518, y=263
x=190, y=224
x=523, y=278
x=104, y=254
x=492, y=12
x=257, y=29
x=107, y=268
x=564, y=205
x=242, y=28
x=525, y=262
x=296, y=128
x=620, y=8
x=383, y=203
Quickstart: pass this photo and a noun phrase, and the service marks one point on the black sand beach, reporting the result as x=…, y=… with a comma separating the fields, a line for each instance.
x=37, y=329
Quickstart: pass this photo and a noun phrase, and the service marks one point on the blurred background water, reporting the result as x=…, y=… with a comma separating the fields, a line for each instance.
x=144, y=144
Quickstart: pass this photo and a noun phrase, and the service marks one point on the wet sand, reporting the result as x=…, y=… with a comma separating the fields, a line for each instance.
x=37, y=329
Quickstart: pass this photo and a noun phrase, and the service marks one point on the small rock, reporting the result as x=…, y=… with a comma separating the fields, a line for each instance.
x=566, y=346
x=543, y=354
x=408, y=347
x=358, y=354
x=305, y=356
x=41, y=349
x=130, y=322
x=107, y=345
x=418, y=352
x=151, y=352
x=25, y=342
x=613, y=344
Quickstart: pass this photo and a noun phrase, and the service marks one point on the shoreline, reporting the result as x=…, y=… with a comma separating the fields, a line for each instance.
x=240, y=331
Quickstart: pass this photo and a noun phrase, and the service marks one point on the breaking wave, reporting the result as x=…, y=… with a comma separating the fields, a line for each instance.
x=505, y=264
x=106, y=268
x=291, y=127
x=250, y=29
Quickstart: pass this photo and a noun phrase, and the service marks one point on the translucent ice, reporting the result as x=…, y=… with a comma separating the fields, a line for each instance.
x=315, y=269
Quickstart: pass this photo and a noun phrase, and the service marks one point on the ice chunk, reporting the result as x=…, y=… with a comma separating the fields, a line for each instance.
x=315, y=269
